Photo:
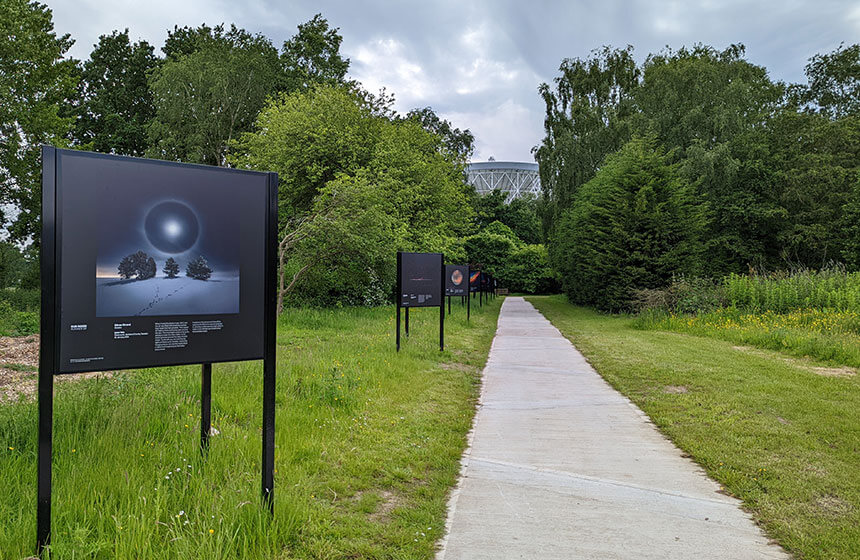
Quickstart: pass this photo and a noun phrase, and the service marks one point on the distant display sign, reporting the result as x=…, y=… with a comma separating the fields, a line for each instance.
x=474, y=280
x=157, y=263
x=420, y=279
x=456, y=279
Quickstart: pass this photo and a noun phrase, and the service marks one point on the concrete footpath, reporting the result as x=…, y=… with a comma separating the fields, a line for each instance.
x=562, y=466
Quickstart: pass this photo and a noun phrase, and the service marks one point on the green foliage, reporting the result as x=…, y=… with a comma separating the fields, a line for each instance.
x=21, y=299
x=834, y=82
x=309, y=138
x=35, y=82
x=489, y=252
x=312, y=57
x=587, y=118
x=774, y=168
x=702, y=96
x=355, y=186
x=781, y=292
x=206, y=98
x=11, y=265
x=851, y=228
x=342, y=253
x=527, y=270
x=425, y=185
x=631, y=227
x=686, y=294
x=498, y=228
x=17, y=323
x=116, y=103
x=460, y=144
x=520, y=214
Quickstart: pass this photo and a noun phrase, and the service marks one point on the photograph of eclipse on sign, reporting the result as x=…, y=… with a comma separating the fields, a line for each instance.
x=163, y=254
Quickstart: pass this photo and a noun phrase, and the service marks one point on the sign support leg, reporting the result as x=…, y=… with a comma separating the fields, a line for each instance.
x=47, y=347
x=398, y=327
x=205, y=406
x=407, y=322
x=442, y=310
x=269, y=349
x=46, y=445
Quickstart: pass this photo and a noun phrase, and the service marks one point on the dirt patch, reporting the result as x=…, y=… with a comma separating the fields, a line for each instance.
x=458, y=367
x=19, y=350
x=816, y=470
x=389, y=502
x=833, y=505
x=15, y=380
x=800, y=363
x=843, y=371
x=675, y=389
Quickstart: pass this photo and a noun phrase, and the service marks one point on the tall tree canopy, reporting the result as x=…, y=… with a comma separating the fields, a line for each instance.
x=587, y=117
x=209, y=96
x=116, y=103
x=772, y=168
x=35, y=82
x=459, y=143
x=834, y=82
x=312, y=56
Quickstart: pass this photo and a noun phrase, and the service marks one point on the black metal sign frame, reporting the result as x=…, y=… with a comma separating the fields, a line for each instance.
x=49, y=351
x=441, y=298
x=450, y=292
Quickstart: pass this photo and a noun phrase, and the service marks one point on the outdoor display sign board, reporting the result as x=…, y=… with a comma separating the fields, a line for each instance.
x=455, y=279
x=421, y=283
x=474, y=276
x=149, y=263
x=457, y=285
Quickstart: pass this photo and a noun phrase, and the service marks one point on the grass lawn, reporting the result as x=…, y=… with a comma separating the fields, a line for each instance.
x=772, y=429
x=368, y=444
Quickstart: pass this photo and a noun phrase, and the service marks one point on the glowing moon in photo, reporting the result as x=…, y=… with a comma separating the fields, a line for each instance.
x=456, y=277
x=171, y=227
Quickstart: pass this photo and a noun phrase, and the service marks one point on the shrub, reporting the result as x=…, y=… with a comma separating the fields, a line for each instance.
x=632, y=227
x=527, y=270
x=489, y=251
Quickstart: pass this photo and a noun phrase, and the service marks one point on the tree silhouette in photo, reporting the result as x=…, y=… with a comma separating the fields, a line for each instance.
x=171, y=268
x=199, y=269
x=138, y=265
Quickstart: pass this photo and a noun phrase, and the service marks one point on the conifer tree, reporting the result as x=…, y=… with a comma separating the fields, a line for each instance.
x=171, y=268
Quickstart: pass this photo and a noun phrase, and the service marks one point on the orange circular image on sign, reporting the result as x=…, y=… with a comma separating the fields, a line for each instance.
x=457, y=277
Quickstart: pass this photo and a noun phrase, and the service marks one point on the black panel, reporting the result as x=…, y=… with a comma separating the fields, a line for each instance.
x=114, y=315
x=420, y=280
x=456, y=279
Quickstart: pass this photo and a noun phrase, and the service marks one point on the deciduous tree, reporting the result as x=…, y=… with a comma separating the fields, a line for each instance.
x=35, y=82
x=116, y=102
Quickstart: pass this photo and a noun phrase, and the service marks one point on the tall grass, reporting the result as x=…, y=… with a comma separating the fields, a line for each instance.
x=806, y=313
x=782, y=292
x=367, y=445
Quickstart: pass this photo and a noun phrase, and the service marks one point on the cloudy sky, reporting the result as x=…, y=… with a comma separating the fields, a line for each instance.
x=478, y=63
